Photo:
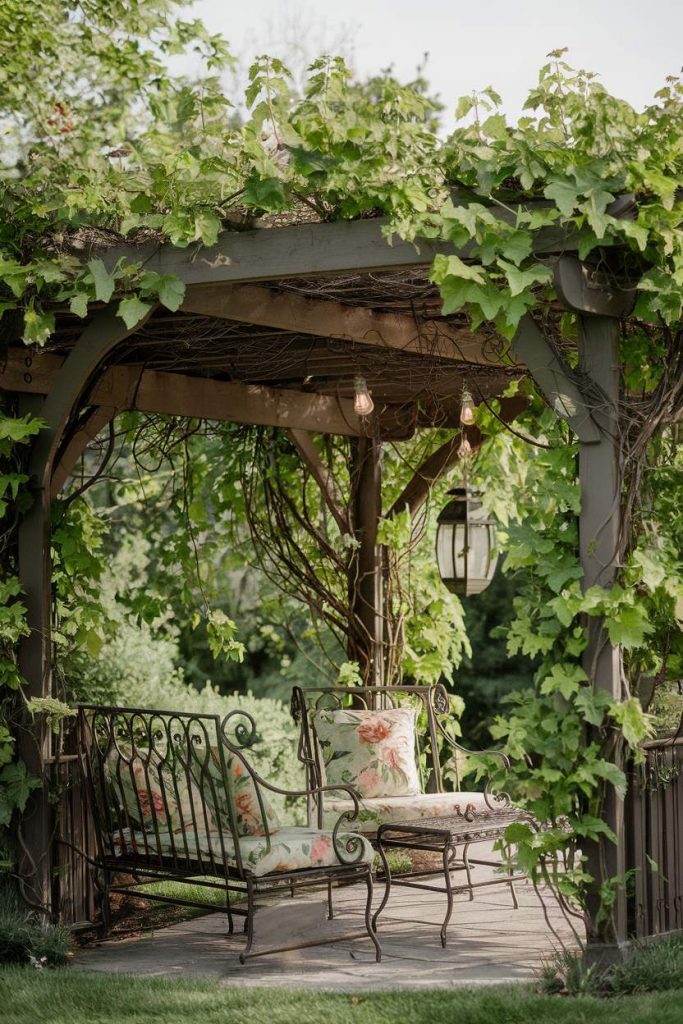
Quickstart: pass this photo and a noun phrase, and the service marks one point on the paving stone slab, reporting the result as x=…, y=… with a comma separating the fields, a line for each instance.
x=489, y=942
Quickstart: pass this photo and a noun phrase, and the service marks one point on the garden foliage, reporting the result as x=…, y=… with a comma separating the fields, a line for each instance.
x=102, y=141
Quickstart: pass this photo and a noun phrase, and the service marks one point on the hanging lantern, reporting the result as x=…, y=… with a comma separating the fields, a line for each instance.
x=465, y=540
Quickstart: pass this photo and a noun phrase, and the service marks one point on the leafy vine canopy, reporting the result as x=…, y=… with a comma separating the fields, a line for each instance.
x=103, y=142
x=100, y=137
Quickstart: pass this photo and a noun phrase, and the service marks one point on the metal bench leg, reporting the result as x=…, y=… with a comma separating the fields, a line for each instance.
x=449, y=893
x=105, y=905
x=511, y=883
x=369, y=920
x=387, y=886
x=330, y=907
x=249, y=923
x=468, y=869
x=231, y=923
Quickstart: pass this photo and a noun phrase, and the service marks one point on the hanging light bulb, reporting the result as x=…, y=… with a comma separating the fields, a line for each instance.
x=465, y=449
x=466, y=408
x=362, y=403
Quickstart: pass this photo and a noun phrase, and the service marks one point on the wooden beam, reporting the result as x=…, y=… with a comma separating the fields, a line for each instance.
x=266, y=254
x=129, y=386
x=99, y=337
x=366, y=584
x=87, y=431
x=416, y=491
x=310, y=250
x=560, y=392
x=397, y=419
x=329, y=319
x=175, y=394
x=29, y=372
x=304, y=444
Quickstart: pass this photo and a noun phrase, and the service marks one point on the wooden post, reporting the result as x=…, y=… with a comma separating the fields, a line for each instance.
x=365, y=580
x=100, y=336
x=35, y=665
x=599, y=532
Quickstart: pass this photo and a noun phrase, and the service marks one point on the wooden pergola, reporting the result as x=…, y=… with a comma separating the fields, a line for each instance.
x=276, y=325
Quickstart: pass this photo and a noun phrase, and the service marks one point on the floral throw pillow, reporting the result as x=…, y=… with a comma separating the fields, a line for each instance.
x=152, y=791
x=373, y=751
x=250, y=814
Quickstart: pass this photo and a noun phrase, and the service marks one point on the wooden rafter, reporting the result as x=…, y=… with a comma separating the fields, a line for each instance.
x=129, y=386
x=326, y=318
x=303, y=442
x=416, y=491
x=93, y=422
x=176, y=394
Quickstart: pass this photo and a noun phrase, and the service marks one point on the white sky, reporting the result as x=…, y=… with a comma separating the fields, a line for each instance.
x=633, y=44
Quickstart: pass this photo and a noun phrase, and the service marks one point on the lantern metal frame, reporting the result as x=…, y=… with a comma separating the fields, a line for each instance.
x=458, y=512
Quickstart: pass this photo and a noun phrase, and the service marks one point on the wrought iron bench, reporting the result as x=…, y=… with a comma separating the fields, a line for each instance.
x=174, y=797
x=437, y=755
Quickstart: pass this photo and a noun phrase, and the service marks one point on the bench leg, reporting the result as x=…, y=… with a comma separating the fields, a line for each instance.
x=330, y=905
x=468, y=869
x=387, y=885
x=231, y=923
x=369, y=920
x=511, y=883
x=449, y=893
x=249, y=923
x=105, y=905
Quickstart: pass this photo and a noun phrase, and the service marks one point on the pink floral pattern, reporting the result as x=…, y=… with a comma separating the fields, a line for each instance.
x=380, y=810
x=254, y=817
x=149, y=801
x=374, y=730
x=287, y=849
x=373, y=751
x=143, y=790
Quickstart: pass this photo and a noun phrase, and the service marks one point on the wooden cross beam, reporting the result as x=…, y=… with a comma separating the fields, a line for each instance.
x=130, y=387
x=305, y=250
x=176, y=394
x=330, y=319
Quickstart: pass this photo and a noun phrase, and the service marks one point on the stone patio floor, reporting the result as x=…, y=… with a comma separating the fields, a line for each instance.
x=489, y=942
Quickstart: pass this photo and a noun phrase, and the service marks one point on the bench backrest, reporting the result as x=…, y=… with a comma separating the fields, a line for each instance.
x=433, y=719
x=162, y=786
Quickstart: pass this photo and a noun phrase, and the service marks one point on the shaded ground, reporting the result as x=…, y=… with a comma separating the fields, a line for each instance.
x=488, y=942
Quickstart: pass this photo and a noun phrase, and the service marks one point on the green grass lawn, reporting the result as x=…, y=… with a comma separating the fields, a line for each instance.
x=75, y=997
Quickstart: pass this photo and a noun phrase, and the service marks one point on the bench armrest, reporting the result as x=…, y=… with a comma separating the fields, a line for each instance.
x=493, y=800
x=350, y=847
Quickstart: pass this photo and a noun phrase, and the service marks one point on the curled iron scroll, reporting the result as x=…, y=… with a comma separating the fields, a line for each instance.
x=245, y=732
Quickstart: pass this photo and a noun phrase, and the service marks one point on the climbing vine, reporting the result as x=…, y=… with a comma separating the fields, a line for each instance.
x=16, y=784
x=103, y=143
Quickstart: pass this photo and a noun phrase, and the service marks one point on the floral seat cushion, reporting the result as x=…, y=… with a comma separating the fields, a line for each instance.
x=373, y=751
x=376, y=811
x=287, y=849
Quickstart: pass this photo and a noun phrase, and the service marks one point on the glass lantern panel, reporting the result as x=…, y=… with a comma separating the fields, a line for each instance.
x=479, y=552
x=444, y=550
